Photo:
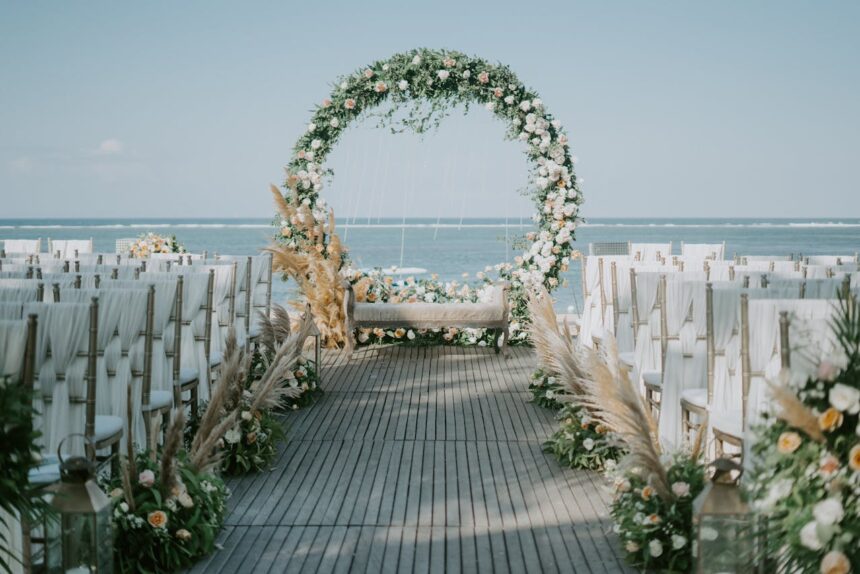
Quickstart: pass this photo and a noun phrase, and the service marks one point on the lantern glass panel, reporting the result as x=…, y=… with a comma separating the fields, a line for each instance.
x=726, y=543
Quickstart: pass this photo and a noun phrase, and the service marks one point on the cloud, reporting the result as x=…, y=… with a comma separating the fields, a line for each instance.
x=111, y=146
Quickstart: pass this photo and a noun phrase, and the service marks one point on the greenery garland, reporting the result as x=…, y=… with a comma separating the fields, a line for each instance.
x=434, y=81
x=545, y=390
x=582, y=442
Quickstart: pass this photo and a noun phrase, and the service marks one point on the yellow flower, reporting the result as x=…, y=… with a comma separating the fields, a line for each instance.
x=854, y=458
x=399, y=333
x=830, y=419
x=788, y=442
x=157, y=519
x=647, y=492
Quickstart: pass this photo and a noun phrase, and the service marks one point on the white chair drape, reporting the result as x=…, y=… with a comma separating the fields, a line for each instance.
x=11, y=311
x=67, y=247
x=27, y=246
x=704, y=250
x=647, y=351
x=591, y=312
x=27, y=293
x=648, y=252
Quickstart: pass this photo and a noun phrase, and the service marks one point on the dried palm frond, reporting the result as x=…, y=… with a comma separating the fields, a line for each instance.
x=795, y=413
x=556, y=353
x=314, y=263
x=274, y=328
x=172, y=444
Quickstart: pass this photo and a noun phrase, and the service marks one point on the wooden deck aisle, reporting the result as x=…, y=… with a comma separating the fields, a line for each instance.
x=419, y=459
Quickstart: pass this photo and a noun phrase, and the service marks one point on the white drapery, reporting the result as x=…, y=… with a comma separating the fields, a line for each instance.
x=704, y=250
x=26, y=293
x=26, y=246
x=64, y=329
x=67, y=247
x=647, y=352
x=648, y=252
x=11, y=311
x=685, y=354
x=624, y=335
x=591, y=312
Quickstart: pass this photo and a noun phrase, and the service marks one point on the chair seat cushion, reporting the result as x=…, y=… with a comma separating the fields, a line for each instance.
x=214, y=359
x=188, y=375
x=653, y=378
x=728, y=423
x=107, y=426
x=447, y=314
x=47, y=472
x=628, y=358
x=696, y=397
x=158, y=400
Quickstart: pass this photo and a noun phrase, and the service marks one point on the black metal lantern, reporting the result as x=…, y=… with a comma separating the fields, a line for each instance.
x=723, y=523
x=80, y=537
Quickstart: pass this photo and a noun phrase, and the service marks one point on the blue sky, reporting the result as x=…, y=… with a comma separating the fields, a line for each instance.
x=674, y=108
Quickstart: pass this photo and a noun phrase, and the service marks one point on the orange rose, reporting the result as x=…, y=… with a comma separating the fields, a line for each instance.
x=788, y=442
x=830, y=419
x=647, y=492
x=854, y=458
x=371, y=297
x=157, y=519
x=654, y=519
x=835, y=562
x=583, y=425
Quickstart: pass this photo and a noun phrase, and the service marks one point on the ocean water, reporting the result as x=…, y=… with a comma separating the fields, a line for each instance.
x=452, y=247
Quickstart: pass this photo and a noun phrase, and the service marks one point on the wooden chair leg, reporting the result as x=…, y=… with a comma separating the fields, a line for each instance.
x=147, y=428
x=194, y=403
x=114, y=459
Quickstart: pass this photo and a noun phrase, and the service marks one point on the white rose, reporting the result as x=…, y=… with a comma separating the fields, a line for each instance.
x=233, y=436
x=334, y=122
x=315, y=144
x=343, y=85
x=680, y=489
x=828, y=512
x=509, y=100
x=678, y=541
x=312, y=127
x=363, y=337
x=491, y=106
x=525, y=105
x=809, y=536
x=410, y=334
x=655, y=548
x=443, y=74
x=467, y=74
x=631, y=547
x=416, y=60
x=246, y=415
x=844, y=398
x=403, y=84
x=587, y=443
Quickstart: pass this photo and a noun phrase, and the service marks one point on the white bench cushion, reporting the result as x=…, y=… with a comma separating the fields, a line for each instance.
x=653, y=378
x=696, y=397
x=107, y=426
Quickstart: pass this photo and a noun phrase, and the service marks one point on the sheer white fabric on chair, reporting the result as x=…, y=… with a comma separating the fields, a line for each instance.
x=684, y=367
x=13, y=345
x=261, y=290
x=16, y=274
x=778, y=290
x=28, y=293
x=720, y=270
x=649, y=252
x=26, y=246
x=112, y=305
x=822, y=288
x=68, y=247
x=19, y=283
x=778, y=275
x=623, y=330
x=241, y=301
x=647, y=345
x=726, y=382
x=195, y=291
x=607, y=309
x=591, y=312
x=752, y=277
x=715, y=251
x=222, y=302
x=829, y=260
x=809, y=318
x=816, y=271
x=10, y=311
x=767, y=258
x=784, y=266
x=64, y=329
x=763, y=266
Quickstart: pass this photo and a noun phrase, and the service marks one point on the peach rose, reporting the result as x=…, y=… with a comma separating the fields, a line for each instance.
x=828, y=466
x=654, y=519
x=498, y=92
x=830, y=419
x=326, y=103
x=379, y=332
x=368, y=73
x=399, y=333
x=854, y=458
x=647, y=492
x=484, y=77
x=788, y=442
x=835, y=562
x=157, y=519
x=349, y=104
x=449, y=62
x=380, y=87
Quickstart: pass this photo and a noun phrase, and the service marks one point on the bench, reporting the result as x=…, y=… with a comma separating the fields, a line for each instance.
x=493, y=314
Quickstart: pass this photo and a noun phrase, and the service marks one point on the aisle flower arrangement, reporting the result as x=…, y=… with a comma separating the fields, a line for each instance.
x=150, y=243
x=583, y=442
x=656, y=528
x=433, y=81
x=546, y=390
x=168, y=506
x=806, y=476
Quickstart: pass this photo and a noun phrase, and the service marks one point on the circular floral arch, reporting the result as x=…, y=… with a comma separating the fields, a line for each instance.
x=434, y=81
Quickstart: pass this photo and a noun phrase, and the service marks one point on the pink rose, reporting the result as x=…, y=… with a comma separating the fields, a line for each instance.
x=449, y=62
x=484, y=77
x=380, y=87
x=498, y=92
x=146, y=478
x=827, y=371
x=326, y=103
x=349, y=104
x=368, y=73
